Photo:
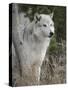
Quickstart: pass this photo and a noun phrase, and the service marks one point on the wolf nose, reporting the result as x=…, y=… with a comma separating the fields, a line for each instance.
x=51, y=34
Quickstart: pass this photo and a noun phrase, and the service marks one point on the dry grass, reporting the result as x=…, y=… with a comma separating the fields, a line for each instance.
x=53, y=70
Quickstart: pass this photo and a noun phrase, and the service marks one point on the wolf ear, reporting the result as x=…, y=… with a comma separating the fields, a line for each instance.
x=37, y=17
x=51, y=15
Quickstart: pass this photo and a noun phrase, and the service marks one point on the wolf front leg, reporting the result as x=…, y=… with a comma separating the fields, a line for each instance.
x=36, y=74
x=30, y=75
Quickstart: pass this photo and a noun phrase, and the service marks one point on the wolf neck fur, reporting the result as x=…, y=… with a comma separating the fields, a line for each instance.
x=35, y=44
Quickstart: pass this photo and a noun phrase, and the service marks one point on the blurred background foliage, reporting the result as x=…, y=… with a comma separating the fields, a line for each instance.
x=59, y=18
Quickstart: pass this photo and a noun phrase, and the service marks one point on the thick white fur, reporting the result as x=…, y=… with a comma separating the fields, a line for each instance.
x=35, y=43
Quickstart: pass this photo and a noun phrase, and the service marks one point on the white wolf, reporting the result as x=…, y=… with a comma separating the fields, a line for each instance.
x=36, y=39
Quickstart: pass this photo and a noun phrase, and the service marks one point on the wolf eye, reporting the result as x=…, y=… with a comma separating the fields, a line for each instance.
x=44, y=25
x=51, y=25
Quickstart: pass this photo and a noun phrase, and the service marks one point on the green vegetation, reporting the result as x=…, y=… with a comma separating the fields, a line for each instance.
x=53, y=46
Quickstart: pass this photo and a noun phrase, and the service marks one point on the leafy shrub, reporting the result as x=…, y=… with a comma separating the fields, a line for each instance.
x=53, y=46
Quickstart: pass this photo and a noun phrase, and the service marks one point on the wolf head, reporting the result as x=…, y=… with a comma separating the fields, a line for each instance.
x=44, y=25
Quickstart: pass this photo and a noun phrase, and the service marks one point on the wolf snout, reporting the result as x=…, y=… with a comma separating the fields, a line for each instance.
x=51, y=34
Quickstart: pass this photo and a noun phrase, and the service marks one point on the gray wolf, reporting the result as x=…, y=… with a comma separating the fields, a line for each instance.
x=36, y=38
